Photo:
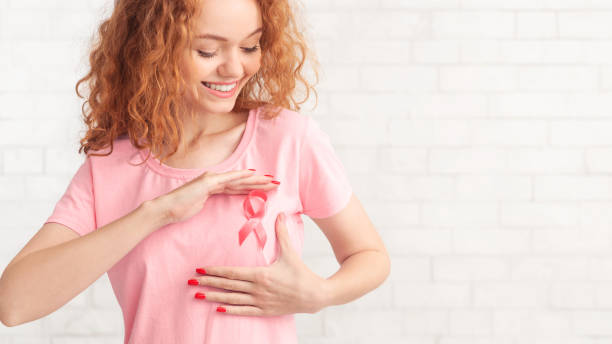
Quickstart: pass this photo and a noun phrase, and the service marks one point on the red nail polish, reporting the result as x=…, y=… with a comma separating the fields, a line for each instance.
x=201, y=271
x=268, y=175
x=193, y=282
x=200, y=296
x=220, y=309
x=252, y=169
x=275, y=182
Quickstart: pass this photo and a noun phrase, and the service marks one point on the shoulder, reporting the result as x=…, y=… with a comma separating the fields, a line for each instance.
x=288, y=124
x=286, y=119
x=122, y=150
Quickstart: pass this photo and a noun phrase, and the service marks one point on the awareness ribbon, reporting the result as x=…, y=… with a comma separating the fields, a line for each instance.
x=254, y=209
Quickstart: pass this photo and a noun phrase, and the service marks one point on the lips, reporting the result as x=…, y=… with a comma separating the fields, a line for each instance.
x=221, y=83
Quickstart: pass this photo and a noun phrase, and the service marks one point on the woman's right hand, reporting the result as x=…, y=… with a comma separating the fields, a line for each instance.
x=188, y=199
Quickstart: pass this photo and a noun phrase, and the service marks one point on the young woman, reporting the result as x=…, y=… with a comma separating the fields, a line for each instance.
x=198, y=169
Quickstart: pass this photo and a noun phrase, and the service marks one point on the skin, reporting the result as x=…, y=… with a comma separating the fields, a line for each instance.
x=286, y=286
x=232, y=61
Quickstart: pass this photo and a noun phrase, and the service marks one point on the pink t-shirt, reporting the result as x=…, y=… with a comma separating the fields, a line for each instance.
x=150, y=282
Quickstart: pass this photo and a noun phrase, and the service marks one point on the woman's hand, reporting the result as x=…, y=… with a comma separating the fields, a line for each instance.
x=188, y=199
x=285, y=287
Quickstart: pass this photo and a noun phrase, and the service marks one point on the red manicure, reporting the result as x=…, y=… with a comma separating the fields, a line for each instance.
x=275, y=182
x=268, y=175
x=193, y=282
x=200, y=296
x=201, y=271
x=252, y=169
x=220, y=309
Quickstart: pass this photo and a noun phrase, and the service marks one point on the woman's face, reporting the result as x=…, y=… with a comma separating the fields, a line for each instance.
x=226, y=50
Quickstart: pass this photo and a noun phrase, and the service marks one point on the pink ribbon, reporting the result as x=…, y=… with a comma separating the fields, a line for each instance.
x=254, y=209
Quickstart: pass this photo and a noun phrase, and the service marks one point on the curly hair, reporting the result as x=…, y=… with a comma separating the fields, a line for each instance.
x=136, y=87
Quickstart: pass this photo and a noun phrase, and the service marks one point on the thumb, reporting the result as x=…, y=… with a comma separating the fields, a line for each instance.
x=282, y=234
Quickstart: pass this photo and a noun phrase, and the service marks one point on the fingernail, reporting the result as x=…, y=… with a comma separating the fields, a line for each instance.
x=201, y=271
x=275, y=182
x=268, y=175
x=193, y=282
x=252, y=169
x=200, y=296
x=220, y=309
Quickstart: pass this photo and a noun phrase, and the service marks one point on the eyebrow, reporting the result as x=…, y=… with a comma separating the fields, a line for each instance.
x=223, y=39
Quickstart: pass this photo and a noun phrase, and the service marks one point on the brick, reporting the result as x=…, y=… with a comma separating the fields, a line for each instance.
x=479, y=78
x=541, y=214
x=472, y=24
x=491, y=241
x=570, y=241
x=572, y=295
x=529, y=105
x=416, y=241
x=529, y=323
x=549, y=268
x=420, y=4
x=510, y=295
x=580, y=132
x=478, y=214
x=426, y=321
x=432, y=295
x=552, y=78
x=410, y=269
x=585, y=24
x=493, y=187
x=436, y=52
x=403, y=160
x=470, y=269
x=429, y=132
x=470, y=322
x=575, y=188
x=408, y=78
x=361, y=323
x=592, y=322
x=23, y=161
x=536, y=25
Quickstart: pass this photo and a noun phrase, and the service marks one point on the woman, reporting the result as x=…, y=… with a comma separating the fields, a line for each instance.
x=192, y=98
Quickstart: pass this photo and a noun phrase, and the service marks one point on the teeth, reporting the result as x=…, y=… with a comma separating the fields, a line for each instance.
x=222, y=88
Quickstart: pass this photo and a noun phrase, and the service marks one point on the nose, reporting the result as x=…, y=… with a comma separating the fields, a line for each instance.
x=232, y=65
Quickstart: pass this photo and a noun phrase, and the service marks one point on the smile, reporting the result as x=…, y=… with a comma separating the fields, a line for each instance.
x=221, y=91
x=218, y=87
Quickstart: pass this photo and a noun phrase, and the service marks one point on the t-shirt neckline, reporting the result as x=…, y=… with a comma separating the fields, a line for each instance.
x=163, y=169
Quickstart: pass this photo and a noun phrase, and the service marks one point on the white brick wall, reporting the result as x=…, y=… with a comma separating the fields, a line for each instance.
x=477, y=134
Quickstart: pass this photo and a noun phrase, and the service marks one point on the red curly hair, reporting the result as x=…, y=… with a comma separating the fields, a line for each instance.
x=135, y=83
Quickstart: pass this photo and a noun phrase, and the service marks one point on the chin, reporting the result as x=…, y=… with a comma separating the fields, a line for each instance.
x=219, y=108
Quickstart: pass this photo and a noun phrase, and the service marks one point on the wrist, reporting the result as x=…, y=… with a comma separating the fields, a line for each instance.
x=157, y=210
x=325, y=296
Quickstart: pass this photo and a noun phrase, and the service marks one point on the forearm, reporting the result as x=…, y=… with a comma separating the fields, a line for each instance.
x=358, y=275
x=44, y=280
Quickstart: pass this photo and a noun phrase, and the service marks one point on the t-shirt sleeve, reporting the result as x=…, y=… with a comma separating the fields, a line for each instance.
x=324, y=186
x=75, y=209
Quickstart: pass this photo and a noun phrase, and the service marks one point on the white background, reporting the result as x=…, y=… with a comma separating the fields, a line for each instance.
x=477, y=134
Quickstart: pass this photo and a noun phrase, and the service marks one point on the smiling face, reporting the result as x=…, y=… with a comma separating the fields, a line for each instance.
x=226, y=50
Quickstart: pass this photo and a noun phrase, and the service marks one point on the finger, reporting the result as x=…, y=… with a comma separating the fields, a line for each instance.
x=240, y=310
x=225, y=177
x=257, y=180
x=241, y=299
x=249, y=182
x=245, y=189
x=242, y=273
x=225, y=283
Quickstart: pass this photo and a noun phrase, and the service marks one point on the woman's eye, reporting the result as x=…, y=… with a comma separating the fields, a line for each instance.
x=251, y=50
x=210, y=55
x=205, y=54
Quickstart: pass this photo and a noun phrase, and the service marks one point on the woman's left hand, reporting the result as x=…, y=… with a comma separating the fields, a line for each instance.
x=285, y=287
